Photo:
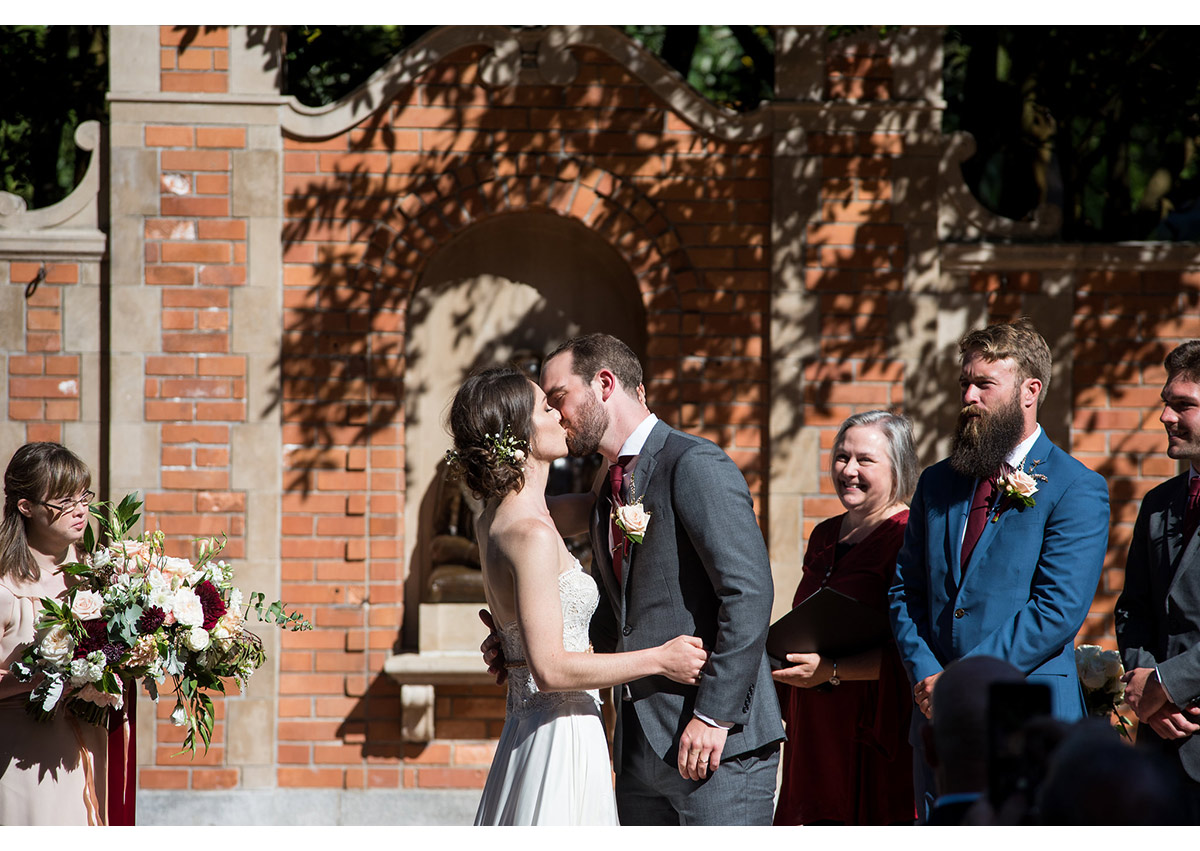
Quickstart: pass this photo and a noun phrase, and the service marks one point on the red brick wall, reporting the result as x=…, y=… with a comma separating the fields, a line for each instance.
x=44, y=374
x=689, y=214
x=194, y=58
x=1125, y=323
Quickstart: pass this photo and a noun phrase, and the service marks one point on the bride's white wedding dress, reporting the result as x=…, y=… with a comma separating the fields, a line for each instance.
x=551, y=764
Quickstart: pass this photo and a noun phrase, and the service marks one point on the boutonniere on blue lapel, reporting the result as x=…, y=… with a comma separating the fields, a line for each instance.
x=1017, y=487
x=632, y=518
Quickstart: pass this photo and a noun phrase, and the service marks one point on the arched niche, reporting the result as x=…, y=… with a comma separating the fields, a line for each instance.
x=512, y=286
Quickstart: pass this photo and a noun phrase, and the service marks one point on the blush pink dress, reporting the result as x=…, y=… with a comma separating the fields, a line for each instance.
x=51, y=773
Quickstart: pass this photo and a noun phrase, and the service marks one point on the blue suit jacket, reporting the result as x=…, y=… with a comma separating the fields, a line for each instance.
x=1027, y=588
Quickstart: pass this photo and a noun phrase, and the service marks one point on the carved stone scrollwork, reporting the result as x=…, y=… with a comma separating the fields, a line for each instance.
x=558, y=66
x=67, y=229
x=501, y=67
x=533, y=56
x=962, y=218
x=76, y=210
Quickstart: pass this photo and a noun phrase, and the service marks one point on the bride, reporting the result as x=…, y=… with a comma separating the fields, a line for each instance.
x=551, y=764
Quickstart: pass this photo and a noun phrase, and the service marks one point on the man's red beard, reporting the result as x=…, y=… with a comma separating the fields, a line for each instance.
x=983, y=441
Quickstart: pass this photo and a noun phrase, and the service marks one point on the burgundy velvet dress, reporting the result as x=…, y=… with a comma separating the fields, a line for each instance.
x=847, y=757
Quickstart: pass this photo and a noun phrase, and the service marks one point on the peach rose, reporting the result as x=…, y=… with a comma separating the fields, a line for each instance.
x=632, y=520
x=87, y=605
x=1021, y=482
x=130, y=556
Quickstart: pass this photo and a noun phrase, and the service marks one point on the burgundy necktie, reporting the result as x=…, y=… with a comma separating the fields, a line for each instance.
x=616, y=476
x=977, y=519
x=1192, y=516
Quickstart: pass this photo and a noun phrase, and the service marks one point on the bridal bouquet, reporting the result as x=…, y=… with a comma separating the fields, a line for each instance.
x=135, y=613
x=1100, y=674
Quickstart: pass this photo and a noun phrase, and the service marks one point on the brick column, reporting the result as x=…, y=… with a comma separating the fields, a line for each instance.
x=195, y=304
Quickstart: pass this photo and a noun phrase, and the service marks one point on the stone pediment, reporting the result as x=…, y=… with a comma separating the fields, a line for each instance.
x=535, y=56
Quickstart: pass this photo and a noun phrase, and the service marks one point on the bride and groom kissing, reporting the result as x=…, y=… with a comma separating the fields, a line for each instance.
x=677, y=614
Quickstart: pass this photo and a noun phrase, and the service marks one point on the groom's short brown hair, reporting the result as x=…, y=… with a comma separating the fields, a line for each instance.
x=594, y=352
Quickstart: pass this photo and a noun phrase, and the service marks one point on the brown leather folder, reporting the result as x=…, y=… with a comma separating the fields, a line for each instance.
x=830, y=623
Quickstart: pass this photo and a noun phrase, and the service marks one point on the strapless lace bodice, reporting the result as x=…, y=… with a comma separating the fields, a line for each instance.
x=579, y=596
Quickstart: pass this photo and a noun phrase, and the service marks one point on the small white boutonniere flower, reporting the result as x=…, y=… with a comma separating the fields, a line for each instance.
x=632, y=518
x=1018, y=486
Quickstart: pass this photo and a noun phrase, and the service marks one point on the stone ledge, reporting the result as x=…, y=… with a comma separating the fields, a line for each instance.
x=438, y=669
x=328, y=807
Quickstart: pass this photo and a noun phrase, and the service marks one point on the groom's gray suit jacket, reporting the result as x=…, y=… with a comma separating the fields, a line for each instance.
x=702, y=570
x=1158, y=612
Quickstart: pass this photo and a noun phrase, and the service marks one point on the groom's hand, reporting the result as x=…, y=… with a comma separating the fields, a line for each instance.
x=1171, y=722
x=493, y=653
x=1143, y=693
x=700, y=749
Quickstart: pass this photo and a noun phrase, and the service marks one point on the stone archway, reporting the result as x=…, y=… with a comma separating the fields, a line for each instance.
x=510, y=284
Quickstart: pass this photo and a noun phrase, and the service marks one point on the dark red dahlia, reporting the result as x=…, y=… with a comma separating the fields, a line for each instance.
x=151, y=619
x=210, y=602
x=97, y=637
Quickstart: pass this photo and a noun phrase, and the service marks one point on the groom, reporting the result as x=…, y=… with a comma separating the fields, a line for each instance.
x=705, y=754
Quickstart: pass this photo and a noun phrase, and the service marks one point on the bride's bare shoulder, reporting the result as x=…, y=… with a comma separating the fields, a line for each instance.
x=525, y=538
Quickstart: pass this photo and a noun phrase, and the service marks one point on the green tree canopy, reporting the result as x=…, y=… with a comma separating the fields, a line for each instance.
x=1101, y=121
x=54, y=78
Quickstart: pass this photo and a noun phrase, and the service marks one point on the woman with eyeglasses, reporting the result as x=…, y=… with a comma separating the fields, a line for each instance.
x=51, y=772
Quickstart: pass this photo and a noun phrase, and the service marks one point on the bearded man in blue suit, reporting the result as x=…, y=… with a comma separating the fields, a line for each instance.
x=1005, y=538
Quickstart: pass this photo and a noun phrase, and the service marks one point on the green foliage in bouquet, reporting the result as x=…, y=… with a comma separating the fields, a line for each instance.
x=135, y=613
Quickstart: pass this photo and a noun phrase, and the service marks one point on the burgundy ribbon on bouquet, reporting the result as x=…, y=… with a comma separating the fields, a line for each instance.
x=122, y=761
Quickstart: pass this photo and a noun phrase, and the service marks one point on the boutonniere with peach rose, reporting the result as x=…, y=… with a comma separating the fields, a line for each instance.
x=632, y=518
x=1018, y=486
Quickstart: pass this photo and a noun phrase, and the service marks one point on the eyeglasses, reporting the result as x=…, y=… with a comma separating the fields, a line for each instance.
x=82, y=501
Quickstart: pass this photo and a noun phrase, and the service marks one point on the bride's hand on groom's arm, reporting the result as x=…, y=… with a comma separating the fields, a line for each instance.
x=683, y=658
x=493, y=653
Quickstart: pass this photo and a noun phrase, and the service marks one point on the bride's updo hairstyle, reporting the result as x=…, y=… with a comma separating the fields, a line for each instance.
x=490, y=420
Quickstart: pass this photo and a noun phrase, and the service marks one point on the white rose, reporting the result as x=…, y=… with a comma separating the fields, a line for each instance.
x=87, y=605
x=186, y=607
x=196, y=639
x=633, y=520
x=1112, y=664
x=1023, y=483
x=57, y=646
x=1091, y=666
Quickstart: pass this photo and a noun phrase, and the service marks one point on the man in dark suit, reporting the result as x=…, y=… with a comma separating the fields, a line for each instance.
x=705, y=754
x=1005, y=538
x=1158, y=612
